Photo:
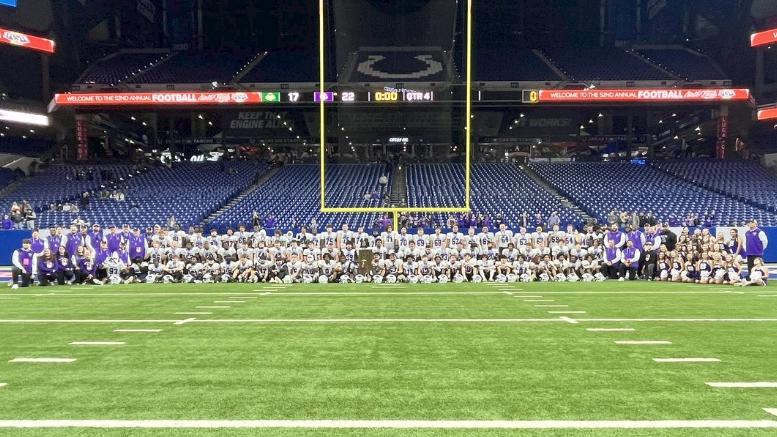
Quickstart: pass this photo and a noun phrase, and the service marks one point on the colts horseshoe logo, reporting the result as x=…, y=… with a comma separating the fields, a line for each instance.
x=368, y=67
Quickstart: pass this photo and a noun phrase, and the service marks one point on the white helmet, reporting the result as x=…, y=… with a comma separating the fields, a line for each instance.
x=599, y=277
x=378, y=279
x=188, y=278
x=477, y=278
x=345, y=279
x=544, y=277
x=561, y=277
x=391, y=279
x=443, y=279
x=458, y=278
x=525, y=277
x=287, y=279
x=150, y=278
x=501, y=278
x=512, y=277
x=413, y=279
x=167, y=279
x=307, y=279
x=323, y=279
x=572, y=277
x=359, y=279
x=587, y=277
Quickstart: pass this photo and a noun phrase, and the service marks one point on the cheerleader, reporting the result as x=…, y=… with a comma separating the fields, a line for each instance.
x=733, y=274
x=690, y=273
x=677, y=268
x=664, y=267
x=705, y=269
x=759, y=276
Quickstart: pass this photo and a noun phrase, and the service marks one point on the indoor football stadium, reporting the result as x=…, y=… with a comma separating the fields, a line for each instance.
x=385, y=218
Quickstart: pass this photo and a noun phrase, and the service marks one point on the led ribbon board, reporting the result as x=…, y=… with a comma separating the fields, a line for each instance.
x=27, y=41
x=763, y=38
x=642, y=95
x=165, y=99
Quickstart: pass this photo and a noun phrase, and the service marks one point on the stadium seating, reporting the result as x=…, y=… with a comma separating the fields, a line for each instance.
x=292, y=193
x=686, y=64
x=55, y=185
x=490, y=65
x=744, y=180
x=284, y=67
x=600, y=188
x=189, y=191
x=603, y=63
x=118, y=68
x=495, y=189
x=204, y=67
x=7, y=176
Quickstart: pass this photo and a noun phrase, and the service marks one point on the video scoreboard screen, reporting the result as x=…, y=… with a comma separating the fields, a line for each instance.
x=375, y=96
x=11, y=3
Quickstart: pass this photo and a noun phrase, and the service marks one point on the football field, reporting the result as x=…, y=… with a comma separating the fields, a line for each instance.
x=540, y=359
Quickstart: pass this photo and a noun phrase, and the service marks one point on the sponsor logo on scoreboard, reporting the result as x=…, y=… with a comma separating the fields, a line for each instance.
x=763, y=38
x=16, y=38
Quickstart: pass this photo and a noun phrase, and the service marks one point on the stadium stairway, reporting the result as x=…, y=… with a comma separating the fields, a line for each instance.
x=399, y=185
x=565, y=201
x=259, y=182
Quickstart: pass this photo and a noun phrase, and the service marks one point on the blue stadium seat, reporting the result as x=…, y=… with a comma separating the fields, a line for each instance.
x=603, y=63
x=113, y=70
x=284, y=67
x=603, y=187
x=686, y=64
x=204, y=67
x=510, y=65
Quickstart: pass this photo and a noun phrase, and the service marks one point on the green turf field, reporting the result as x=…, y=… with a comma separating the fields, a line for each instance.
x=390, y=354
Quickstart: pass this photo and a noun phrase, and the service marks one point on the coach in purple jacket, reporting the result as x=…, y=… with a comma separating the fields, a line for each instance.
x=754, y=245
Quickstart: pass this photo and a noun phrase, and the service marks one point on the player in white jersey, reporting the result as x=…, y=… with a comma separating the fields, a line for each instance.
x=389, y=237
x=173, y=271
x=328, y=269
x=503, y=237
x=243, y=270
x=454, y=237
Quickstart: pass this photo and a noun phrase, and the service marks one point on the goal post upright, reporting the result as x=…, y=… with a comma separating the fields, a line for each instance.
x=322, y=9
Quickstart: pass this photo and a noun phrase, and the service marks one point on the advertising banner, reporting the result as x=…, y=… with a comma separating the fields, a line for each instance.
x=720, y=147
x=767, y=114
x=642, y=95
x=265, y=124
x=82, y=139
x=27, y=41
x=763, y=38
x=165, y=99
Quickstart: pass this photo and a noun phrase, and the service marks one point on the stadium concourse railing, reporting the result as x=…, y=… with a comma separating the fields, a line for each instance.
x=10, y=240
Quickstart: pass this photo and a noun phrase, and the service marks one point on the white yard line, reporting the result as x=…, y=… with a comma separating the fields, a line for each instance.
x=566, y=312
x=183, y=322
x=83, y=321
x=96, y=343
x=137, y=330
x=3, y=384
x=229, y=301
x=610, y=329
x=411, y=293
x=212, y=307
x=772, y=411
x=377, y=320
x=643, y=342
x=767, y=295
x=686, y=360
x=194, y=313
x=243, y=297
x=394, y=424
x=550, y=306
x=526, y=296
x=42, y=360
x=743, y=384
x=539, y=300
x=53, y=321
x=569, y=320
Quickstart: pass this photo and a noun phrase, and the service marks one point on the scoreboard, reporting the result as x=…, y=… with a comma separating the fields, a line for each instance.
x=11, y=3
x=391, y=96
